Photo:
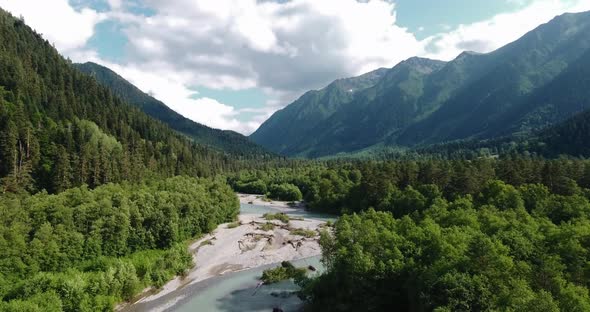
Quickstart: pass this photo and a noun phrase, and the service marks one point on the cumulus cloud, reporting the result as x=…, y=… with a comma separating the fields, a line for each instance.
x=291, y=46
x=170, y=88
x=491, y=34
x=282, y=48
x=61, y=24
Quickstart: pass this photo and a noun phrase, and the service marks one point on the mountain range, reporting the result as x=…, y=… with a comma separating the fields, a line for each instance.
x=223, y=140
x=535, y=82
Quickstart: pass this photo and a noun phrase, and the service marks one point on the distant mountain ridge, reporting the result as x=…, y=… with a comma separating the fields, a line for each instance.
x=289, y=126
x=534, y=82
x=224, y=140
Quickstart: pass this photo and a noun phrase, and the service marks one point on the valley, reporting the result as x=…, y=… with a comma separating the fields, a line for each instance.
x=460, y=184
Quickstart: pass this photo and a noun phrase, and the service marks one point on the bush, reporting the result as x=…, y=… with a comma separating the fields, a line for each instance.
x=276, y=216
x=304, y=232
x=252, y=187
x=284, y=272
x=268, y=226
x=234, y=225
x=284, y=192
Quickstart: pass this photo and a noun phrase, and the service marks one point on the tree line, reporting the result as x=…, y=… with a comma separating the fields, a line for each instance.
x=353, y=186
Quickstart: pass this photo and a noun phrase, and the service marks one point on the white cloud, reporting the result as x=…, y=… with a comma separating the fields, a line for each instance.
x=282, y=48
x=59, y=23
x=170, y=88
x=289, y=47
x=488, y=35
x=115, y=4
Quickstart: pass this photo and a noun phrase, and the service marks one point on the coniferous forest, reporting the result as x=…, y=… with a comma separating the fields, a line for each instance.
x=98, y=201
x=60, y=128
x=95, y=204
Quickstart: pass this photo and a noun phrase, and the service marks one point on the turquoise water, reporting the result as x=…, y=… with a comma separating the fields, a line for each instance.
x=256, y=209
x=238, y=291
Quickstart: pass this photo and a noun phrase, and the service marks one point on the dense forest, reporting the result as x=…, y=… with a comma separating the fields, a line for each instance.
x=86, y=250
x=507, y=249
x=346, y=186
x=94, y=206
x=488, y=234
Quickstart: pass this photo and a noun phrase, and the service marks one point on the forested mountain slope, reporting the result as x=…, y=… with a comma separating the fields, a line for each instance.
x=224, y=140
x=96, y=242
x=59, y=128
x=529, y=84
x=294, y=124
x=524, y=88
x=571, y=137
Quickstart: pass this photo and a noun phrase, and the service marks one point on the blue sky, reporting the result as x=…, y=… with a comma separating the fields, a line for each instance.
x=231, y=63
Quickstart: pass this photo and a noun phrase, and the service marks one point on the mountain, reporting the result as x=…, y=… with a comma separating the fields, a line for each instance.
x=534, y=82
x=292, y=125
x=59, y=128
x=224, y=140
x=571, y=137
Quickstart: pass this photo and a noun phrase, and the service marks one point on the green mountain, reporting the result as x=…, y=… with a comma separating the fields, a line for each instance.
x=59, y=128
x=524, y=86
x=293, y=125
x=571, y=137
x=224, y=140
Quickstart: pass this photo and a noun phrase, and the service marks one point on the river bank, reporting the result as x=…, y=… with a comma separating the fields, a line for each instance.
x=252, y=242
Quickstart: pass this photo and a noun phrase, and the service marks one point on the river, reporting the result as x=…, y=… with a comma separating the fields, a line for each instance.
x=236, y=291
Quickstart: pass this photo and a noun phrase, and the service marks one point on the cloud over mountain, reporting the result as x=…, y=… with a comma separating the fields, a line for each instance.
x=281, y=47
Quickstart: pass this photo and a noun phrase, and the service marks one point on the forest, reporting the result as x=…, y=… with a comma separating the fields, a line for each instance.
x=86, y=250
x=506, y=234
x=506, y=249
x=97, y=200
x=344, y=186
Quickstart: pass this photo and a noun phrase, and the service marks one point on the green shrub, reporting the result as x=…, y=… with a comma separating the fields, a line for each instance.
x=303, y=232
x=284, y=192
x=268, y=226
x=284, y=272
x=276, y=216
x=234, y=225
x=252, y=187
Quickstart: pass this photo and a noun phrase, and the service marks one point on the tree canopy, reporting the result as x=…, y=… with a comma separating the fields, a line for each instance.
x=85, y=250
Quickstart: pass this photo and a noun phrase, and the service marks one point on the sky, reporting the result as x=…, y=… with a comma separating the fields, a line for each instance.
x=230, y=64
